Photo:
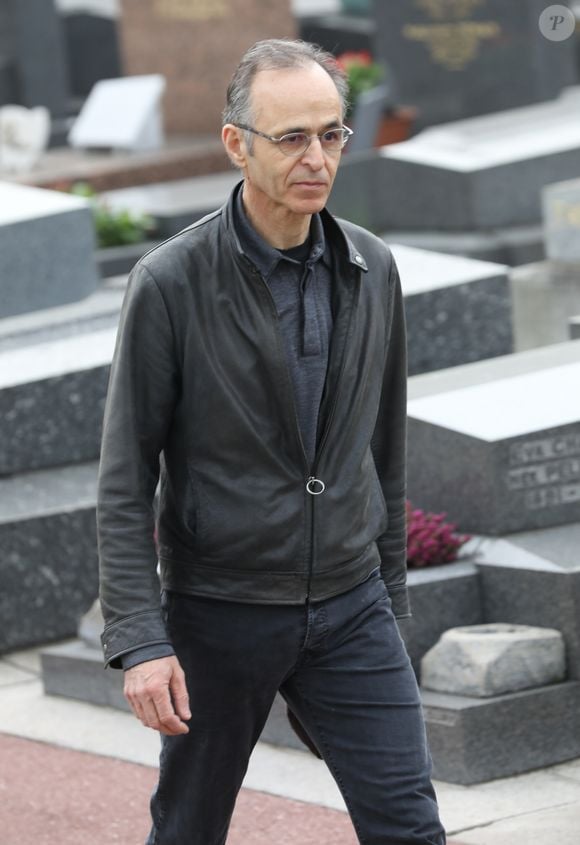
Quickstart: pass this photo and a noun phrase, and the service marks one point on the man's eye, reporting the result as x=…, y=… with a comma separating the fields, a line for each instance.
x=333, y=136
x=294, y=139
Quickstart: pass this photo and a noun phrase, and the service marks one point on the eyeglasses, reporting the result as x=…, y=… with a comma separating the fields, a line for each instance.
x=296, y=143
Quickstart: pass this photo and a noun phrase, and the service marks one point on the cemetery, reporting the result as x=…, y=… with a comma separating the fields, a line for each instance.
x=480, y=205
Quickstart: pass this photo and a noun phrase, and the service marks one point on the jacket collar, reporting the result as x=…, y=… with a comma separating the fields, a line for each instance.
x=333, y=232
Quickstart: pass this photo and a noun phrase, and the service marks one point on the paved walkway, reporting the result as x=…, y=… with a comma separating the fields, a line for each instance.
x=75, y=774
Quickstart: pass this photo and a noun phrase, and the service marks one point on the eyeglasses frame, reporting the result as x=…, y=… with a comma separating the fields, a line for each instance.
x=318, y=135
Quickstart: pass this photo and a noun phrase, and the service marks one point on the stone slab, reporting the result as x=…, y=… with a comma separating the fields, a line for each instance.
x=544, y=295
x=31, y=40
x=157, y=37
x=48, y=562
x=574, y=327
x=536, y=828
x=456, y=58
x=493, y=659
x=46, y=249
x=92, y=44
x=121, y=114
x=474, y=740
x=100, y=310
x=533, y=578
x=52, y=398
x=480, y=173
x=338, y=33
x=483, y=449
x=458, y=310
x=175, y=205
x=441, y=597
x=561, y=210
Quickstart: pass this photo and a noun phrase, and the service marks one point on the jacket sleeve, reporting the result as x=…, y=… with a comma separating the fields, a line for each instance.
x=143, y=390
x=389, y=446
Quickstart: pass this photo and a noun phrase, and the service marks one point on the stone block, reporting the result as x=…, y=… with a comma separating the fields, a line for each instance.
x=486, y=451
x=46, y=249
x=492, y=659
x=174, y=205
x=574, y=327
x=48, y=558
x=338, y=33
x=458, y=309
x=75, y=670
x=480, y=173
x=533, y=578
x=441, y=597
x=561, y=209
x=474, y=740
x=157, y=37
x=32, y=42
x=452, y=58
x=544, y=295
x=92, y=45
x=52, y=398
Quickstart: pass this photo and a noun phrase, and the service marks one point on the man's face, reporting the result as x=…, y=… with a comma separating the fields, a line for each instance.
x=296, y=100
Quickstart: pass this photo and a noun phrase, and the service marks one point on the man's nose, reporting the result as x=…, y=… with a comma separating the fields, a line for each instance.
x=313, y=155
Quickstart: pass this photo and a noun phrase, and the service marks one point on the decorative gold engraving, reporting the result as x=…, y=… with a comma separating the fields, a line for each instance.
x=440, y=10
x=453, y=45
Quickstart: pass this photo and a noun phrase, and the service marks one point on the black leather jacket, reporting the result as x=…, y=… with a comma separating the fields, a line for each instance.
x=200, y=398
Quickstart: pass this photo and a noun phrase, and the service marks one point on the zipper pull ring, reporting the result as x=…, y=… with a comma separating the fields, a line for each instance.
x=315, y=486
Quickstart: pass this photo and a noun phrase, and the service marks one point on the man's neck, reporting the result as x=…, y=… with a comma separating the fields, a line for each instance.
x=278, y=227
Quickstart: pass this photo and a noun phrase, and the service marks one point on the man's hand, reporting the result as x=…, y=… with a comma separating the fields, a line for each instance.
x=158, y=696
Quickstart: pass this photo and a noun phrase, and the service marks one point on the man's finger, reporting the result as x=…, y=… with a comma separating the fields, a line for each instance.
x=168, y=722
x=178, y=689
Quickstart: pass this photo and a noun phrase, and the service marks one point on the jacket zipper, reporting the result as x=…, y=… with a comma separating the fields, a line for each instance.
x=314, y=486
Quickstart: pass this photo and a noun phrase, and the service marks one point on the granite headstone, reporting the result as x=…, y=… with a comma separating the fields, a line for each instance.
x=496, y=444
x=33, y=69
x=196, y=45
x=52, y=398
x=48, y=557
x=480, y=173
x=457, y=58
x=46, y=249
x=92, y=44
x=458, y=310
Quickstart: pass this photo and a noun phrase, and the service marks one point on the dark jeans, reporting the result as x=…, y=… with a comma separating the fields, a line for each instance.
x=343, y=669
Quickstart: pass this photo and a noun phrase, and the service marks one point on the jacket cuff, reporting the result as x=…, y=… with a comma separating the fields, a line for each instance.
x=143, y=629
x=399, y=595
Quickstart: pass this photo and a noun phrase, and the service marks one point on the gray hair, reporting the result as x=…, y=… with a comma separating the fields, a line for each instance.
x=277, y=54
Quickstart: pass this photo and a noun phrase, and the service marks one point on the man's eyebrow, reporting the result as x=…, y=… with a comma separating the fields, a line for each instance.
x=333, y=124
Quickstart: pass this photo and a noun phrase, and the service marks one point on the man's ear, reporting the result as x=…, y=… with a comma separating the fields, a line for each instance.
x=233, y=140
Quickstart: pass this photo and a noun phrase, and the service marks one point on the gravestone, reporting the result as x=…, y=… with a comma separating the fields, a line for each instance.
x=46, y=249
x=481, y=173
x=52, y=399
x=122, y=114
x=48, y=554
x=92, y=43
x=196, y=45
x=457, y=58
x=561, y=206
x=458, y=310
x=533, y=578
x=32, y=56
x=496, y=444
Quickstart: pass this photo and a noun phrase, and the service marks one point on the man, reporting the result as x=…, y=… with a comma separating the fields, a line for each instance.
x=260, y=376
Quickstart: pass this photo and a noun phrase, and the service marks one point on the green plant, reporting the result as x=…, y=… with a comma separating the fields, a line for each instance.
x=430, y=540
x=362, y=73
x=115, y=228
